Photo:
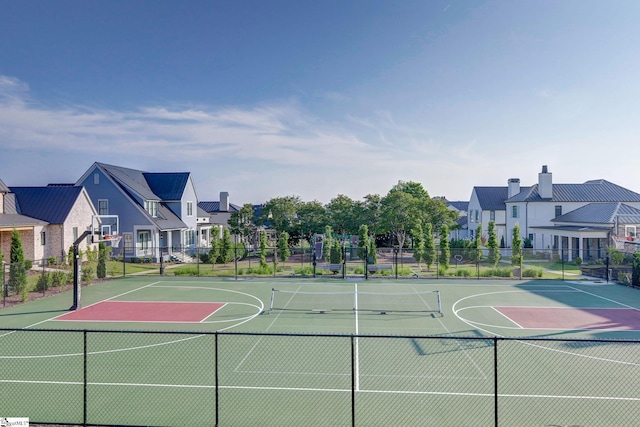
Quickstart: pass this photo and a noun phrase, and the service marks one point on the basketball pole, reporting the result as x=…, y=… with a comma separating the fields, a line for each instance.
x=76, y=271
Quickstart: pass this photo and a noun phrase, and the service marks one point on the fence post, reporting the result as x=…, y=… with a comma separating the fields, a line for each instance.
x=84, y=379
x=353, y=381
x=215, y=358
x=495, y=380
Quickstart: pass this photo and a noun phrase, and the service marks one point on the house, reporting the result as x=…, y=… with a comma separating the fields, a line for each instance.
x=571, y=219
x=157, y=212
x=49, y=219
x=219, y=212
x=462, y=229
x=581, y=219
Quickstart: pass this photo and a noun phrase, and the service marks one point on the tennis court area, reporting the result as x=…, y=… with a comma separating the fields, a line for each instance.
x=175, y=351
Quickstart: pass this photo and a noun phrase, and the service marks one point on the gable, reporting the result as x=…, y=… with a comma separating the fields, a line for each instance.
x=491, y=198
x=601, y=213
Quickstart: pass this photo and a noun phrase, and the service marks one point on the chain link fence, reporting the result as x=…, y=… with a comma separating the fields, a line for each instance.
x=81, y=377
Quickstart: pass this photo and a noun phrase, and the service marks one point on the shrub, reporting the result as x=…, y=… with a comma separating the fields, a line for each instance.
x=578, y=261
x=532, y=272
x=43, y=283
x=625, y=278
x=87, y=273
x=463, y=273
x=497, y=272
x=52, y=260
x=59, y=278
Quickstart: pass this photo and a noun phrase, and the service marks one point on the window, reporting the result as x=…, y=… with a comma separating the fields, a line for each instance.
x=189, y=208
x=96, y=178
x=144, y=237
x=492, y=215
x=477, y=215
x=103, y=207
x=189, y=237
x=43, y=239
x=514, y=212
x=75, y=233
x=558, y=210
x=151, y=206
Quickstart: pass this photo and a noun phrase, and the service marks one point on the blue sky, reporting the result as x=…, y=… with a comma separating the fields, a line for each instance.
x=319, y=98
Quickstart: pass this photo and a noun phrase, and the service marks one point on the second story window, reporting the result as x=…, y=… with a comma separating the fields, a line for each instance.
x=477, y=215
x=514, y=211
x=151, y=206
x=558, y=210
x=492, y=215
x=189, y=208
x=103, y=207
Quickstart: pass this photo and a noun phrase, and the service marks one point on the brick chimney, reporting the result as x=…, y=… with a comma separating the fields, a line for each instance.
x=545, y=184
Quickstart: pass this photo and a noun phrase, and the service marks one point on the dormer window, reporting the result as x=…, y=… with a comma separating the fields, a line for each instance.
x=151, y=206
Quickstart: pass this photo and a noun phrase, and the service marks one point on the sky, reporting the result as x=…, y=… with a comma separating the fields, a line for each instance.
x=273, y=98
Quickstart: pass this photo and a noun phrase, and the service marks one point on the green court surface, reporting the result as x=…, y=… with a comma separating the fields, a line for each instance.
x=178, y=351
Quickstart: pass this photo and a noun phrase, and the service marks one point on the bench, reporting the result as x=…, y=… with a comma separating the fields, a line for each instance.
x=335, y=268
x=375, y=268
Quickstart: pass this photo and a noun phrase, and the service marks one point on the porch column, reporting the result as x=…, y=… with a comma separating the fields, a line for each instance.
x=570, y=249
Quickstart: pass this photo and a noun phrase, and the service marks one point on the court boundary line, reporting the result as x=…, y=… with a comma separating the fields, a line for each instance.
x=337, y=390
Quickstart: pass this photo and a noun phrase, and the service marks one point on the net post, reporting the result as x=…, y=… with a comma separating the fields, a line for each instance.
x=439, y=304
x=273, y=294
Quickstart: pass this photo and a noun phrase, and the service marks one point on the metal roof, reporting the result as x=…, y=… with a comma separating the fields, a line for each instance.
x=3, y=187
x=131, y=180
x=459, y=205
x=167, y=186
x=16, y=220
x=50, y=204
x=211, y=207
x=599, y=190
x=491, y=198
x=602, y=213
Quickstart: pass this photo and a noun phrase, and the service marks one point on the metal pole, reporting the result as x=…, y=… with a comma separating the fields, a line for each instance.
x=495, y=380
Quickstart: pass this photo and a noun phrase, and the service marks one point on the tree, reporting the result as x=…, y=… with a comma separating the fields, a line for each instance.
x=492, y=244
x=17, y=271
x=263, y=249
x=429, y=254
x=280, y=214
x=342, y=215
x=226, y=251
x=372, y=256
x=363, y=241
x=214, y=251
x=336, y=253
x=418, y=243
x=328, y=242
x=284, y=252
x=312, y=217
x=400, y=213
x=516, y=246
x=445, y=253
x=477, y=245
x=101, y=269
x=242, y=223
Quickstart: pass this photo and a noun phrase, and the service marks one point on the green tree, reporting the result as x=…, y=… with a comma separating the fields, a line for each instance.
x=17, y=271
x=516, y=246
x=429, y=254
x=372, y=256
x=263, y=250
x=226, y=250
x=101, y=269
x=336, y=253
x=363, y=241
x=343, y=217
x=477, y=245
x=445, y=252
x=214, y=250
x=400, y=213
x=280, y=214
x=492, y=244
x=328, y=242
x=284, y=252
x=418, y=243
x=312, y=217
x=241, y=222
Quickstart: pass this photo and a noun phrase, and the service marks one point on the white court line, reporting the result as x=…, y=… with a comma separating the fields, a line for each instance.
x=506, y=317
x=336, y=390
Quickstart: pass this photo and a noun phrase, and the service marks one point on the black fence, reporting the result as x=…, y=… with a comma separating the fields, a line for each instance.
x=53, y=275
x=81, y=377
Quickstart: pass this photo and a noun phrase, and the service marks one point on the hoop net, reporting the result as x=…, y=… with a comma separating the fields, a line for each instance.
x=113, y=239
x=625, y=243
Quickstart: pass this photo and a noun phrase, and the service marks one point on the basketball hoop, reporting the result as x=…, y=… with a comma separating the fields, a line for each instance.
x=113, y=239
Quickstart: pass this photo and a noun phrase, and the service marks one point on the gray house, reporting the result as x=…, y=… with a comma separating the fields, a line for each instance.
x=158, y=212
